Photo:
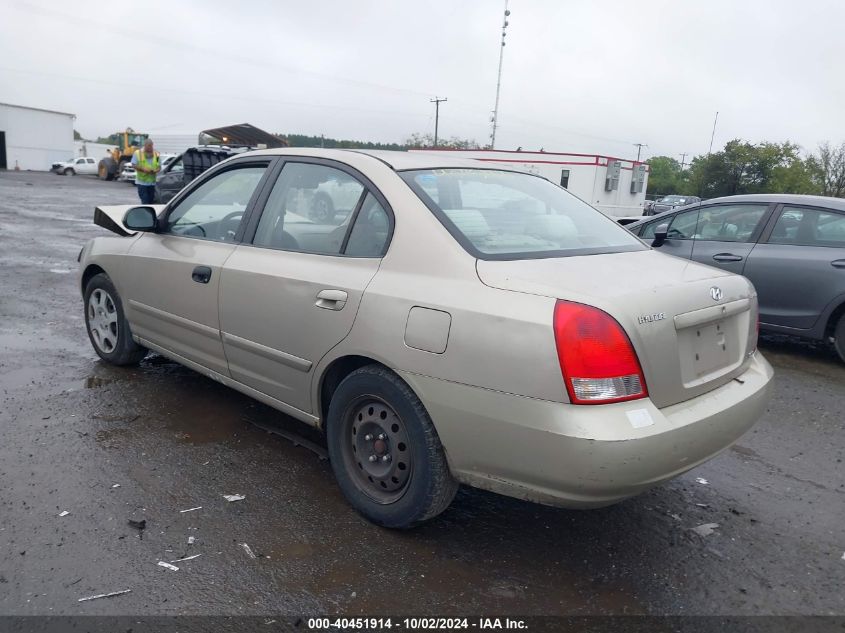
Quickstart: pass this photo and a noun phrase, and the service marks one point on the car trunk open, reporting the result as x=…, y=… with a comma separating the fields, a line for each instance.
x=687, y=341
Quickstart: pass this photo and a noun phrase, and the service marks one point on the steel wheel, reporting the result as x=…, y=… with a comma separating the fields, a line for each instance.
x=102, y=320
x=377, y=445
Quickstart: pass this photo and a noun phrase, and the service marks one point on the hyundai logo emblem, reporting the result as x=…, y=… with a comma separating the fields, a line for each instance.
x=716, y=293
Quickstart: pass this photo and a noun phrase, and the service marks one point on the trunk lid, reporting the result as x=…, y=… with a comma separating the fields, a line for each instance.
x=692, y=326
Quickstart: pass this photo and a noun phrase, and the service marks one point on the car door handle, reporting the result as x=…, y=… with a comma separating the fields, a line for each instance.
x=331, y=299
x=201, y=274
x=727, y=257
x=838, y=263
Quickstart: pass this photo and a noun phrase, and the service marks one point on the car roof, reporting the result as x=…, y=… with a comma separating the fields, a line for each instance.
x=396, y=160
x=768, y=198
x=785, y=198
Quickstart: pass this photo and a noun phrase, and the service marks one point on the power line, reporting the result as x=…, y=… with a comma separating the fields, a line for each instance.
x=437, y=101
x=683, y=156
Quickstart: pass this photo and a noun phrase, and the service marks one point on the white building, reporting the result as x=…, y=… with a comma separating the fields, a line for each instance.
x=615, y=186
x=32, y=138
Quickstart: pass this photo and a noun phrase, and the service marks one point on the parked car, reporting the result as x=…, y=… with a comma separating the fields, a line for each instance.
x=181, y=169
x=792, y=248
x=667, y=203
x=127, y=174
x=82, y=165
x=443, y=333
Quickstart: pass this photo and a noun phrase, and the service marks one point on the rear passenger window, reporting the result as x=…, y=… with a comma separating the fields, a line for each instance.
x=809, y=227
x=309, y=209
x=370, y=231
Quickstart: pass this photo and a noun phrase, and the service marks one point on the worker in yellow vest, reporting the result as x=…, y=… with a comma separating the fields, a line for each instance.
x=146, y=164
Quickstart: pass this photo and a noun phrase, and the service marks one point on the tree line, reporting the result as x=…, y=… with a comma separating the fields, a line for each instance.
x=743, y=167
x=415, y=141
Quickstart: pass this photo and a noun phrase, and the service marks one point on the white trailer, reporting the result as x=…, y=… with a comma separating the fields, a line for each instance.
x=615, y=186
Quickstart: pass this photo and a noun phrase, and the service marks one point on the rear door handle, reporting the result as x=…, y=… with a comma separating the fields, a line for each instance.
x=201, y=274
x=838, y=263
x=727, y=257
x=331, y=299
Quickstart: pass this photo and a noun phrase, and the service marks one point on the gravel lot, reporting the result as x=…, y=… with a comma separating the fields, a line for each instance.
x=73, y=429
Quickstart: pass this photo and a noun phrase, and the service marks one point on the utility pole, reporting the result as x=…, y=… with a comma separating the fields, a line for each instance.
x=639, y=147
x=683, y=159
x=437, y=101
x=495, y=118
x=713, y=134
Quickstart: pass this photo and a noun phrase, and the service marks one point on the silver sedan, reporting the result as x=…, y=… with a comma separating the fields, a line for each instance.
x=461, y=324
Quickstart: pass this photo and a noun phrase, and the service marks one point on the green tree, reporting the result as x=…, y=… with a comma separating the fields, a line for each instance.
x=418, y=141
x=829, y=168
x=742, y=167
x=664, y=176
x=77, y=136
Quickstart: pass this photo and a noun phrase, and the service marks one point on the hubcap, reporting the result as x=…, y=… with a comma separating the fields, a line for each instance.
x=101, y=315
x=378, y=450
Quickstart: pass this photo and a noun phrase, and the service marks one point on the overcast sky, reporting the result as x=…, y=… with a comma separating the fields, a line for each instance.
x=578, y=75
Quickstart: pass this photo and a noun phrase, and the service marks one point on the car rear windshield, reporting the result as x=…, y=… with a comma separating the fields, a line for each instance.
x=509, y=215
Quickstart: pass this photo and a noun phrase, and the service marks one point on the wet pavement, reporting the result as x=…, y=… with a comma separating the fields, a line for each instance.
x=110, y=444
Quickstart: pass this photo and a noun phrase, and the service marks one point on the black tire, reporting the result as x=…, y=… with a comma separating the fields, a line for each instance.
x=112, y=342
x=107, y=169
x=322, y=209
x=839, y=338
x=69, y=172
x=428, y=488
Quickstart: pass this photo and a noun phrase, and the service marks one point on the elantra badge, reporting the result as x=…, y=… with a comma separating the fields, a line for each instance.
x=716, y=293
x=651, y=318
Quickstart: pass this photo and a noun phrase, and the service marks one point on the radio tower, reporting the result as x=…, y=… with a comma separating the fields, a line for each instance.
x=495, y=118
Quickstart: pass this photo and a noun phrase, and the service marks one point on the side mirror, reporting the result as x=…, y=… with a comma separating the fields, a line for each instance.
x=140, y=219
x=660, y=234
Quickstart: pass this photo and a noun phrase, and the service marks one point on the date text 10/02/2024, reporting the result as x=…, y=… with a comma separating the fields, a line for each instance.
x=375, y=624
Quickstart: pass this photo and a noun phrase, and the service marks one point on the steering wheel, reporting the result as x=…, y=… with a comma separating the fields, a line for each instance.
x=229, y=217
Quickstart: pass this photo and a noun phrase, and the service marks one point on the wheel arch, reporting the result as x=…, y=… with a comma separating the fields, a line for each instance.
x=833, y=319
x=333, y=375
x=90, y=271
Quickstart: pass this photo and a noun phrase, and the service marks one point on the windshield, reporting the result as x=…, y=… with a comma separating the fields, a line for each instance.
x=673, y=199
x=511, y=215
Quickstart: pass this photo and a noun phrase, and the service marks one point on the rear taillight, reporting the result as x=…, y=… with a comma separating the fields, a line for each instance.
x=598, y=362
x=753, y=327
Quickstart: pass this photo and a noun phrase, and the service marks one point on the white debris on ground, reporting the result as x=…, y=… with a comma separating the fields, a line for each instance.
x=182, y=560
x=161, y=563
x=705, y=529
x=190, y=510
x=248, y=550
x=191, y=540
x=64, y=513
x=105, y=595
x=116, y=486
x=702, y=481
x=234, y=497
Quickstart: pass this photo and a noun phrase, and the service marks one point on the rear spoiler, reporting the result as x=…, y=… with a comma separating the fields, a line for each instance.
x=111, y=217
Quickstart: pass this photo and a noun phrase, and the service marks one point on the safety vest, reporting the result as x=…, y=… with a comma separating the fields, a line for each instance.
x=142, y=178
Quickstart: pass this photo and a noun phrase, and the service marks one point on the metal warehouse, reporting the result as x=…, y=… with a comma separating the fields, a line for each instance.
x=32, y=138
x=615, y=186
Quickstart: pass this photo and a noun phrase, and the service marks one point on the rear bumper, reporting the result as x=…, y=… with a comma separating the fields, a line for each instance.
x=585, y=456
